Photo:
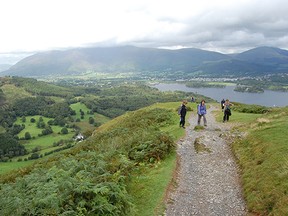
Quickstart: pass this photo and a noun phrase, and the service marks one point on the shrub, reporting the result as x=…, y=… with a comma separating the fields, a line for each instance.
x=246, y=108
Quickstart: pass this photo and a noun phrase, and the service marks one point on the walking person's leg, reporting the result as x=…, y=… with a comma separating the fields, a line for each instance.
x=224, y=117
x=181, y=121
x=205, y=121
x=199, y=119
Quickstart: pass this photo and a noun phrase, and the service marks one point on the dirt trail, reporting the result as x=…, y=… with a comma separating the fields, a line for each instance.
x=208, y=182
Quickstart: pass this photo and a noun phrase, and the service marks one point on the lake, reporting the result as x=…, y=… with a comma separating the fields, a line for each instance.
x=268, y=98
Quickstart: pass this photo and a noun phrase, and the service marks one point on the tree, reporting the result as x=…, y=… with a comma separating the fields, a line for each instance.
x=91, y=120
x=47, y=130
x=64, y=130
x=32, y=120
x=27, y=136
x=41, y=124
x=34, y=156
x=23, y=119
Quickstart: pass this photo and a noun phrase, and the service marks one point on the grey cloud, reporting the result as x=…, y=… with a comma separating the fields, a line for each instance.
x=241, y=27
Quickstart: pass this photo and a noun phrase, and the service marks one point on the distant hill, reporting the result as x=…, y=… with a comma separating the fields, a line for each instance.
x=258, y=61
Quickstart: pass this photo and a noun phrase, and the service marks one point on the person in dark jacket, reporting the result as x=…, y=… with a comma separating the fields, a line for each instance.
x=227, y=110
x=182, y=112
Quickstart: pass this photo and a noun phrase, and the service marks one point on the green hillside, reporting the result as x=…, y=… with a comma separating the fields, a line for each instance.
x=97, y=177
x=127, y=159
x=39, y=118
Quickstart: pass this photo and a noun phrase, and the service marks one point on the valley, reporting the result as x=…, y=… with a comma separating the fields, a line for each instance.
x=101, y=141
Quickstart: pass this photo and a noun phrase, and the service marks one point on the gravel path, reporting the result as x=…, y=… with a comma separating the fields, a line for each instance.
x=207, y=182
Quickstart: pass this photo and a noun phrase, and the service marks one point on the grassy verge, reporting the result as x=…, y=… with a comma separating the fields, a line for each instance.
x=262, y=155
x=148, y=185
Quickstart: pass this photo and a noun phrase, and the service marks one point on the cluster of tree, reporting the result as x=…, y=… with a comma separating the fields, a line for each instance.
x=41, y=106
x=276, y=82
x=41, y=88
x=10, y=147
x=7, y=118
x=118, y=100
x=15, y=129
x=31, y=106
x=250, y=89
x=2, y=98
x=204, y=85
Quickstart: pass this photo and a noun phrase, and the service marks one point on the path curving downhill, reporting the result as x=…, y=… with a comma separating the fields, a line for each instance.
x=208, y=181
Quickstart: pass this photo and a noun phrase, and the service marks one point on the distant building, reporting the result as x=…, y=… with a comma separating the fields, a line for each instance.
x=79, y=137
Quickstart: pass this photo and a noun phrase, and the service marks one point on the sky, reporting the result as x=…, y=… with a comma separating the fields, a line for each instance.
x=225, y=26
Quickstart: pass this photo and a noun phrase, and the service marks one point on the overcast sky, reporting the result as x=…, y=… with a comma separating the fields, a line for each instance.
x=220, y=25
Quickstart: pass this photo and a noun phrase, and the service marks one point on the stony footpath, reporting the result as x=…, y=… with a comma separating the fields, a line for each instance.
x=207, y=179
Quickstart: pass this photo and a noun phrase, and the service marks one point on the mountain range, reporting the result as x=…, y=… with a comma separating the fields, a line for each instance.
x=254, y=62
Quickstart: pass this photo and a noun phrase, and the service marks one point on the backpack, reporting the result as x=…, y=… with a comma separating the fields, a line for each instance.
x=179, y=110
x=228, y=110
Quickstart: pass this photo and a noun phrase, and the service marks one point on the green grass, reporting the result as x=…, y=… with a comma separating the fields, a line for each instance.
x=84, y=123
x=32, y=127
x=148, y=187
x=77, y=107
x=45, y=142
x=10, y=166
x=236, y=117
x=262, y=156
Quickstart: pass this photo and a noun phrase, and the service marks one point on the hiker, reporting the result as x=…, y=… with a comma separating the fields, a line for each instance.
x=222, y=104
x=227, y=110
x=192, y=99
x=201, y=110
x=182, y=112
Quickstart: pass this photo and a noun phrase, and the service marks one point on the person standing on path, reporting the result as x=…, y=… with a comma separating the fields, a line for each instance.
x=202, y=112
x=182, y=112
x=227, y=110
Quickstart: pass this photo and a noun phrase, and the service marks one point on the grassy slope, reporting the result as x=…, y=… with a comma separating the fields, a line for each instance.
x=154, y=178
x=153, y=182
x=262, y=156
x=13, y=93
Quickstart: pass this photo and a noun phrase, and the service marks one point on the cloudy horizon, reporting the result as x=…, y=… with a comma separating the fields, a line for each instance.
x=226, y=26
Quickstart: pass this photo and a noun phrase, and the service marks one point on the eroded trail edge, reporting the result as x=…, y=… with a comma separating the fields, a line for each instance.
x=208, y=180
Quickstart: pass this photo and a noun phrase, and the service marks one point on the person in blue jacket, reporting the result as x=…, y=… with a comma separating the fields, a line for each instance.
x=202, y=112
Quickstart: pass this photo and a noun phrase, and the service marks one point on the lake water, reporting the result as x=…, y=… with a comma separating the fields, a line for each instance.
x=268, y=98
